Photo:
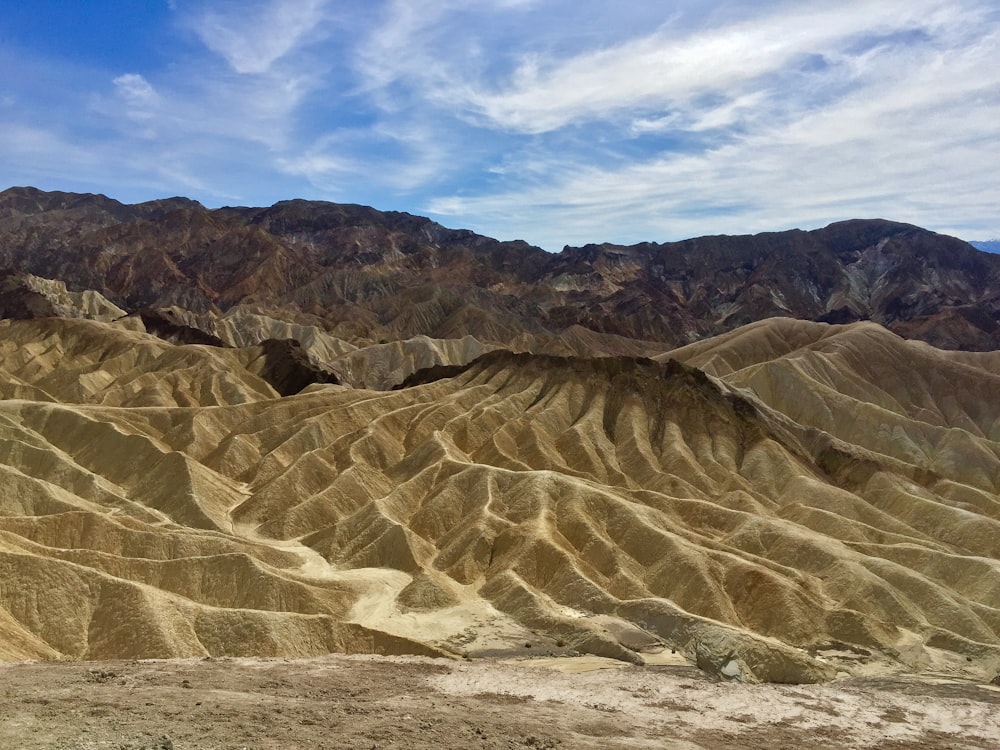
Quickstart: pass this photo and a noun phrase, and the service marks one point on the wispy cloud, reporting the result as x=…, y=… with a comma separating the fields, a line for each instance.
x=252, y=36
x=135, y=89
x=664, y=70
x=558, y=121
x=816, y=117
x=863, y=158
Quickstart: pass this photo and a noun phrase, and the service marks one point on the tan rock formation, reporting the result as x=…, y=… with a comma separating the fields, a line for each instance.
x=823, y=496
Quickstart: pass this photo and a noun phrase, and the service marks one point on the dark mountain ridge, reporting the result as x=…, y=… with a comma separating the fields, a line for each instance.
x=987, y=246
x=366, y=275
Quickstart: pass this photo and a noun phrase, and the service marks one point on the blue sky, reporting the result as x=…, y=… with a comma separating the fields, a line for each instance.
x=558, y=122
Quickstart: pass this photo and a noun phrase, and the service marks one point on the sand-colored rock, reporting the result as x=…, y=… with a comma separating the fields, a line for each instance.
x=815, y=498
x=25, y=296
x=81, y=361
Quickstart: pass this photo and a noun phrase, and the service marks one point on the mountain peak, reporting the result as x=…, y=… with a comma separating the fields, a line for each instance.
x=378, y=275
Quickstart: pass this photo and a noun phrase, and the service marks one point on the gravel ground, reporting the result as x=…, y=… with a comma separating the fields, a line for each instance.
x=400, y=702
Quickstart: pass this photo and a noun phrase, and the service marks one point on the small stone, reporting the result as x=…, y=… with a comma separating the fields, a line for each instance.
x=731, y=669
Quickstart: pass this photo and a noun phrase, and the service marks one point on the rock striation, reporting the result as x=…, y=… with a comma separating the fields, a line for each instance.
x=787, y=511
x=316, y=428
x=366, y=277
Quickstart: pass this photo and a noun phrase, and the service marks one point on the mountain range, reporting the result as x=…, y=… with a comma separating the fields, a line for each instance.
x=315, y=427
x=367, y=276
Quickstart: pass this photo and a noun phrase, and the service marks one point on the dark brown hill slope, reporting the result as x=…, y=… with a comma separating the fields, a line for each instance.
x=366, y=276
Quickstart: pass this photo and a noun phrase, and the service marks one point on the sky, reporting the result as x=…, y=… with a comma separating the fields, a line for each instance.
x=553, y=121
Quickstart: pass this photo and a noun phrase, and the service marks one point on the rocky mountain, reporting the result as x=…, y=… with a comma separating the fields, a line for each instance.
x=316, y=428
x=367, y=277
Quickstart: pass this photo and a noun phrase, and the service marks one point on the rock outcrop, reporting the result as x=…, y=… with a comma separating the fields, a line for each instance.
x=308, y=428
x=366, y=277
x=814, y=493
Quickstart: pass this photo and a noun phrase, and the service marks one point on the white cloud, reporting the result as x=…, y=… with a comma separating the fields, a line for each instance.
x=251, y=37
x=140, y=99
x=228, y=107
x=435, y=47
x=398, y=47
x=326, y=164
x=663, y=70
x=400, y=159
x=134, y=88
x=696, y=120
x=916, y=142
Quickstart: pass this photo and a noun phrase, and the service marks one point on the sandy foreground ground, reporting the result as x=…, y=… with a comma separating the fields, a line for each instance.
x=407, y=702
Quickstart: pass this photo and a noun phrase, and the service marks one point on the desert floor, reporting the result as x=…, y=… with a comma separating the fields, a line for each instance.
x=404, y=702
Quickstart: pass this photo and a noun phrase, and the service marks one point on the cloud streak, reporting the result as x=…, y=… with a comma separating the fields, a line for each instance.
x=662, y=69
x=554, y=121
x=856, y=116
x=252, y=37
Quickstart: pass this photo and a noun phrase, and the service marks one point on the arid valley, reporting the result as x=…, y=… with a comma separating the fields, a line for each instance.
x=322, y=476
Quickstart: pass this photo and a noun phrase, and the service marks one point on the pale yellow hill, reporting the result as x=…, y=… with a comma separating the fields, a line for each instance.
x=86, y=304
x=383, y=366
x=833, y=497
x=245, y=327
x=81, y=361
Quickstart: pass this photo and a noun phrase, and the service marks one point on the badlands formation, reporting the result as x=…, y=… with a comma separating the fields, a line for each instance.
x=432, y=450
x=780, y=503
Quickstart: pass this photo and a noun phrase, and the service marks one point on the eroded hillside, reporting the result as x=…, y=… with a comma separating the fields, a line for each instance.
x=812, y=499
x=368, y=277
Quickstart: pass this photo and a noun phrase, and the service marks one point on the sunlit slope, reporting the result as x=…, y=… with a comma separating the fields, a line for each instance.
x=935, y=412
x=607, y=504
x=911, y=431
x=380, y=366
x=81, y=361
